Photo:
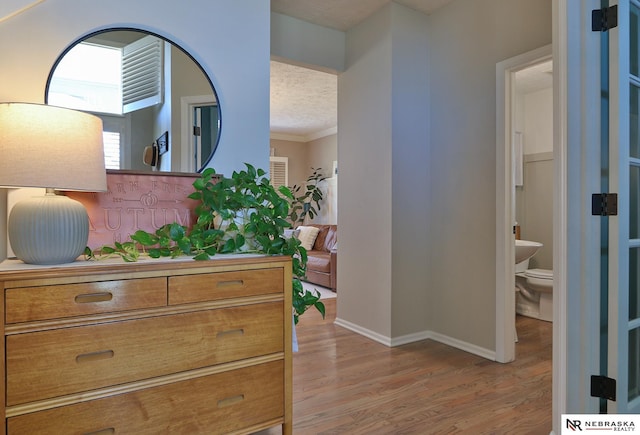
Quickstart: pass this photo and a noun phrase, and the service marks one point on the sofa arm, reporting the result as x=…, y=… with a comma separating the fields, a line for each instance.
x=334, y=268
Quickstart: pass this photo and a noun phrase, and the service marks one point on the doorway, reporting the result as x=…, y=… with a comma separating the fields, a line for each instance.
x=206, y=124
x=195, y=155
x=508, y=172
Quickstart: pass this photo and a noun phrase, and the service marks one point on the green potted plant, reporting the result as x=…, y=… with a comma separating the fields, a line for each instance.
x=305, y=200
x=243, y=213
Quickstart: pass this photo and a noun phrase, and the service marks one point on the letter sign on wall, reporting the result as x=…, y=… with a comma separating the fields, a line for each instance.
x=137, y=200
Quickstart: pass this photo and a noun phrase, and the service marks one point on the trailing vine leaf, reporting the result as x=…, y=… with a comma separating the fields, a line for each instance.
x=243, y=213
x=144, y=238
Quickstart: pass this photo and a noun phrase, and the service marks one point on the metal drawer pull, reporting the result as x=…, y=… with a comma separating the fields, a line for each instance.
x=230, y=332
x=93, y=297
x=234, y=282
x=94, y=356
x=230, y=401
x=106, y=431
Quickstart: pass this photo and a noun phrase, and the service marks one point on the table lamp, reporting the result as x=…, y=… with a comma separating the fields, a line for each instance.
x=57, y=149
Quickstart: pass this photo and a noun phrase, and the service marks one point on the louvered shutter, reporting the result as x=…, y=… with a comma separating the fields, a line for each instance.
x=142, y=65
x=111, y=140
x=279, y=170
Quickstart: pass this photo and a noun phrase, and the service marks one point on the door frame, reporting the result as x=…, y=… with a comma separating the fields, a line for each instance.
x=620, y=244
x=576, y=343
x=187, y=105
x=576, y=339
x=505, y=268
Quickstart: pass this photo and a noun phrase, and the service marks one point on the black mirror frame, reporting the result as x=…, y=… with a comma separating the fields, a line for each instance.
x=133, y=29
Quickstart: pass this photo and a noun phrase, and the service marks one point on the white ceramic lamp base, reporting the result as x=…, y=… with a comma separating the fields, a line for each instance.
x=49, y=229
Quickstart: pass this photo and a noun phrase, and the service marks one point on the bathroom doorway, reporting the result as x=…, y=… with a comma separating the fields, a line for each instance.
x=529, y=73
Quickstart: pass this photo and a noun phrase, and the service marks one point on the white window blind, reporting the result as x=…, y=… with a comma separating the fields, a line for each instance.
x=142, y=78
x=111, y=149
x=279, y=171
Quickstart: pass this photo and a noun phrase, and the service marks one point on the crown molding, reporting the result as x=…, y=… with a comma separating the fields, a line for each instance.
x=304, y=138
x=7, y=14
x=321, y=134
x=289, y=137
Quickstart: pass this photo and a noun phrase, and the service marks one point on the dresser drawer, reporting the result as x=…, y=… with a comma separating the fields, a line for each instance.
x=51, y=363
x=214, y=404
x=224, y=285
x=69, y=300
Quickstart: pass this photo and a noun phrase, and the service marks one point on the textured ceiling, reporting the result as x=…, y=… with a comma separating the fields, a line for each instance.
x=304, y=101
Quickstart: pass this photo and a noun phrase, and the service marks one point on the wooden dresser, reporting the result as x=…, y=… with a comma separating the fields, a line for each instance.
x=158, y=346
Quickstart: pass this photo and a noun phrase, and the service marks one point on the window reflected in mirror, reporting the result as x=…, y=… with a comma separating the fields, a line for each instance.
x=141, y=86
x=89, y=77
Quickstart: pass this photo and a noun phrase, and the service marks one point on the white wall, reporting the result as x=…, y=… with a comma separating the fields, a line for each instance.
x=322, y=153
x=383, y=193
x=535, y=204
x=307, y=44
x=364, y=155
x=31, y=42
x=411, y=206
x=328, y=213
x=538, y=121
x=467, y=39
x=534, y=199
x=186, y=81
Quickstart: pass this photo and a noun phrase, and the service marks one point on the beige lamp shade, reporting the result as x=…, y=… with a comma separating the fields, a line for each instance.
x=54, y=148
x=48, y=146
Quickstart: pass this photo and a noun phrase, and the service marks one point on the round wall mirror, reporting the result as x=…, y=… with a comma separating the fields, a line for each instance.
x=159, y=109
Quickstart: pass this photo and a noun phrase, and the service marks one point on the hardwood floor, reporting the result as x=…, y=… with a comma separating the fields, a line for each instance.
x=344, y=383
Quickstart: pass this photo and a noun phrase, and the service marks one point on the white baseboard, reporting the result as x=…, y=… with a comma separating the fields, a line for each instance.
x=463, y=345
x=411, y=338
x=363, y=331
x=417, y=336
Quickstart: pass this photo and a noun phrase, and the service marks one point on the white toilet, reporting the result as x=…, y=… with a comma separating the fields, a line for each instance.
x=534, y=294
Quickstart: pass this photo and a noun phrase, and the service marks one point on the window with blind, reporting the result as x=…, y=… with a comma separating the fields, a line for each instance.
x=142, y=64
x=106, y=78
x=111, y=141
x=279, y=171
